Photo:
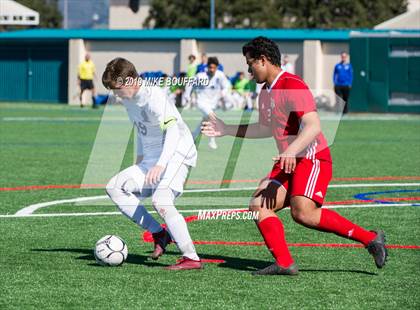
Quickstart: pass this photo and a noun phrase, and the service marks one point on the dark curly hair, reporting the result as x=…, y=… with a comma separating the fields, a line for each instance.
x=212, y=61
x=262, y=46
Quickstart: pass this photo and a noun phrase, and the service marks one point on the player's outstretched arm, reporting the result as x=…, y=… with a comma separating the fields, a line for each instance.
x=215, y=127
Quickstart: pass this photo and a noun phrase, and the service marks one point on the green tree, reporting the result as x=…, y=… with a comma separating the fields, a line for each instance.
x=178, y=14
x=196, y=14
x=49, y=15
x=340, y=13
x=325, y=14
x=250, y=14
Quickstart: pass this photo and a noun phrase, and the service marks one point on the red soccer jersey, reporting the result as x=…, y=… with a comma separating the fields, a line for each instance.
x=282, y=106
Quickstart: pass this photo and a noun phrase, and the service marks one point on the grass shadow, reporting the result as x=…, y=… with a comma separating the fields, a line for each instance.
x=87, y=254
x=235, y=263
x=245, y=264
x=339, y=271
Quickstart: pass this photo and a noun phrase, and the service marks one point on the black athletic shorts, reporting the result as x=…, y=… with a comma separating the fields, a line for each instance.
x=86, y=84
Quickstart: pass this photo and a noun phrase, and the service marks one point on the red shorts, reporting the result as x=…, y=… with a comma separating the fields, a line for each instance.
x=310, y=179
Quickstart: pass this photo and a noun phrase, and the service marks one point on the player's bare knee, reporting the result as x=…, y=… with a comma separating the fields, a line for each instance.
x=301, y=215
x=254, y=204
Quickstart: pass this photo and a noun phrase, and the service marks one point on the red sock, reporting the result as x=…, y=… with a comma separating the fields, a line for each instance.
x=272, y=231
x=333, y=222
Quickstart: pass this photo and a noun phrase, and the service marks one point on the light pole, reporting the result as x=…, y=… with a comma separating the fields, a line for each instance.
x=212, y=14
x=66, y=15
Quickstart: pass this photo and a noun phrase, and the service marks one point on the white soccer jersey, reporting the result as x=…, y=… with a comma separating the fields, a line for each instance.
x=150, y=110
x=212, y=90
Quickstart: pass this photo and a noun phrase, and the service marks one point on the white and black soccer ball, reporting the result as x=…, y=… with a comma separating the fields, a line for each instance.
x=110, y=250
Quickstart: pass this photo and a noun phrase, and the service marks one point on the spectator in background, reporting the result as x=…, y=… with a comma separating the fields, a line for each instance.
x=203, y=66
x=166, y=87
x=86, y=75
x=192, y=67
x=343, y=78
x=252, y=93
x=240, y=91
x=287, y=66
x=178, y=89
x=240, y=83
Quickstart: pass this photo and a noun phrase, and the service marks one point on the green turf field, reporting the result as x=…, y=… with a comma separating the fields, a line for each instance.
x=46, y=259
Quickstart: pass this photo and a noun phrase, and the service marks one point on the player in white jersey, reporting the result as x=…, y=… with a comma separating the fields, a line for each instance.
x=165, y=153
x=209, y=94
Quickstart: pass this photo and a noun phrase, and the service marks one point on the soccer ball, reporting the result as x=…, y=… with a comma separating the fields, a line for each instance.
x=110, y=250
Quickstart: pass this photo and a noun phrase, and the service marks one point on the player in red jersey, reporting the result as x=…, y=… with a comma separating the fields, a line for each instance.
x=303, y=168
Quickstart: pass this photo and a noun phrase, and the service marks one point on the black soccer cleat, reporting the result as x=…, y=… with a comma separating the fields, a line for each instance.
x=275, y=269
x=377, y=249
x=161, y=239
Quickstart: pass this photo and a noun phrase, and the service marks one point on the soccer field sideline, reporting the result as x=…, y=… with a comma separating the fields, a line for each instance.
x=354, y=117
x=29, y=210
x=379, y=205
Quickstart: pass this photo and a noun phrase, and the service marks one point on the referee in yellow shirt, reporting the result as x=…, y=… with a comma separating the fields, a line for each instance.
x=86, y=75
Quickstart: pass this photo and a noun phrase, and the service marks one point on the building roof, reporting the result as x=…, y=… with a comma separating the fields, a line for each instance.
x=408, y=20
x=13, y=13
x=386, y=34
x=178, y=34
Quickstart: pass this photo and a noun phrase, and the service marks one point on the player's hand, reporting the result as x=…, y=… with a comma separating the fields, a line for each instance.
x=214, y=127
x=154, y=174
x=269, y=196
x=287, y=161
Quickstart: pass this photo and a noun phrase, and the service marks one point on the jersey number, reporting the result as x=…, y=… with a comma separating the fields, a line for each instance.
x=141, y=129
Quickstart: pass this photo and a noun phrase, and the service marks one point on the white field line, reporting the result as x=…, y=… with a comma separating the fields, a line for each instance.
x=32, y=208
x=92, y=119
x=49, y=119
x=372, y=185
x=360, y=185
x=193, y=211
x=351, y=117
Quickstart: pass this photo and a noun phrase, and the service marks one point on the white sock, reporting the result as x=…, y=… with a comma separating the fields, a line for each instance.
x=179, y=231
x=163, y=201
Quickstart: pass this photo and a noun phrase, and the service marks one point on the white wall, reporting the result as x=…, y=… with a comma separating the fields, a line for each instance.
x=295, y=51
x=166, y=56
x=145, y=55
x=76, y=56
x=229, y=54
